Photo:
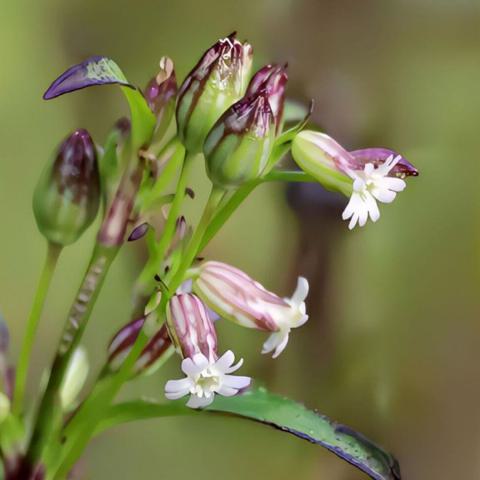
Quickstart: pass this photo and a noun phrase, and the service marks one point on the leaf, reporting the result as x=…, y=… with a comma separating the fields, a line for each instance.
x=100, y=70
x=95, y=70
x=281, y=413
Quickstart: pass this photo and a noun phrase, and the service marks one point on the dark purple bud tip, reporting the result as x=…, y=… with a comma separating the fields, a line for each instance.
x=139, y=232
x=378, y=156
x=190, y=192
x=75, y=168
x=272, y=79
x=95, y=70
x=124, y=339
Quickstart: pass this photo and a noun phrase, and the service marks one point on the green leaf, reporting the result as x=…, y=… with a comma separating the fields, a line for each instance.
x=281, y=413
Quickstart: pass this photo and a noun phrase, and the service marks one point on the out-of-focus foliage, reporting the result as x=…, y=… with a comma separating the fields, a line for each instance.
x=392, y=344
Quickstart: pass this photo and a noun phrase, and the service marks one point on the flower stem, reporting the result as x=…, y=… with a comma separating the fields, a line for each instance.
x=145, y=280
x=100, y=262
x=53, y=253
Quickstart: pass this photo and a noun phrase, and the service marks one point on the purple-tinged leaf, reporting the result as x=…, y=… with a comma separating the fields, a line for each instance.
x=95, y=70
x=378, y=156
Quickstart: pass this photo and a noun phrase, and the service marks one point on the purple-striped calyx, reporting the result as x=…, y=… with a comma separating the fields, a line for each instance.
x=238, y=147
x=366, y=176
x=67, y=196
x=153, y=354
x=237, y=297
x=217, y=81
x=194, y=336
x=272, y=80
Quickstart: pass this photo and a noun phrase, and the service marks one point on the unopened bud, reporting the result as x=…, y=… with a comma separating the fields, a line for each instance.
x=67, y=196
x=217, y=81
x=74, y=379
x=160, y=94
x=238, y=147
x=272, y=79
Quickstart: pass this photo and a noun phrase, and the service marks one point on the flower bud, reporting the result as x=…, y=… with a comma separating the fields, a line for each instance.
x=237, y=297
x=272, y=79
x=74, y=380
x=151, y=356
x=67, y=196
x=217, y=81
x=160, y=94
x=238, y=147
x=4, y=407
x=367, y=175
x=191, y=328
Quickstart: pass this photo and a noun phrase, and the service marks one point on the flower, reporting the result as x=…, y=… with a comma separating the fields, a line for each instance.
x=205, y=378
x=193, y=333
x=237, y=297
x=366, y=176
x=217, y=81
x=373, y=183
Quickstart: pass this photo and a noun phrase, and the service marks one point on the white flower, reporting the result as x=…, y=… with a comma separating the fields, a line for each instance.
x=370, y=185
x=237, y=297
x=206, y=378
x=278, y=340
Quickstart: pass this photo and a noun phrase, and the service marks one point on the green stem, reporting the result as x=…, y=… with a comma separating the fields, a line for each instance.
x=53, y=253
x=145, y=280
x=79, y=315
x=195, y=244
x=83, y=425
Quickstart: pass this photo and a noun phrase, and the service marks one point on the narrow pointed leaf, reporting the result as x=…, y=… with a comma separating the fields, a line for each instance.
x=95, y=70
x=100, y=70
x=281, y=413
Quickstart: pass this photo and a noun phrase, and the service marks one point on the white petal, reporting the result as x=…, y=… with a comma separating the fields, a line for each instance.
x=372, y=207
x=193, y=366
x=353, y=221
x=383, y=195
x=276, y=341
x=235, y=381
x=173, y=386
x=392, y=183
x=225, y=361
x=301, y=291
x=199, y=402
x=227, y=391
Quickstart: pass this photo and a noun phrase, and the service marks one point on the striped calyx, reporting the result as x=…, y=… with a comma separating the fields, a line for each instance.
x=237, y=297
x=217, y=81
x=190, y=326
x=238, y=147
x=272, y=79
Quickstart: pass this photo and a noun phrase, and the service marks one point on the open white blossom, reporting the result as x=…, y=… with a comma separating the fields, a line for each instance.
x=206, y=378
x=370, y=185
x=278, y=340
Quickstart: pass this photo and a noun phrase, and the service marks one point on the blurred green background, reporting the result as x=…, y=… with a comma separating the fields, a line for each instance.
x=392, y=344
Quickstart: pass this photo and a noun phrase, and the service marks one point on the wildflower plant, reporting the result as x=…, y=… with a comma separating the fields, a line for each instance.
x=233, y=122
